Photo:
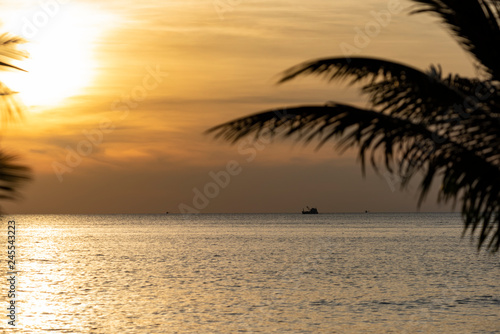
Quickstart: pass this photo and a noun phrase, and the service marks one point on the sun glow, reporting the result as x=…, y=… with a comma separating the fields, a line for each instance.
x=62, y=61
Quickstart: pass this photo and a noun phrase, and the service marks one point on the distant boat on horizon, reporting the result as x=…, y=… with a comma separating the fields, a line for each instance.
x=311, y=211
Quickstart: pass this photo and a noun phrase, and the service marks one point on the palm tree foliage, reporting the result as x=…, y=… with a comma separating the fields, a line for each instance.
x=444, y=127
x=12, y=174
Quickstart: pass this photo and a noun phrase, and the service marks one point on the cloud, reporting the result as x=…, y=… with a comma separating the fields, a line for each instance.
x=218, y=70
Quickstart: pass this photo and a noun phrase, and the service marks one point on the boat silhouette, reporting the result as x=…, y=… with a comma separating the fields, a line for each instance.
x=310, y=211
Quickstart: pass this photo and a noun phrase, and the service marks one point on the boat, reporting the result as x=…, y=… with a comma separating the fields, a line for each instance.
x=311, y=211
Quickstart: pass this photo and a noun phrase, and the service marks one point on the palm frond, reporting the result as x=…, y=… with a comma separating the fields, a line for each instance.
x=357, y=68
x=445, y=127
x=9, y=51
x=476, y=26
x=10, y=105
x=392, y=87
x=402, y=90
x=12, y=176
x=409, y=146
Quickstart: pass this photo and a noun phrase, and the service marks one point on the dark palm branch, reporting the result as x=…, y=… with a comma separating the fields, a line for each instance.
x=445, y=127
x=10, y=105
x=9, y=51
x=12, y=174
x=475, y=24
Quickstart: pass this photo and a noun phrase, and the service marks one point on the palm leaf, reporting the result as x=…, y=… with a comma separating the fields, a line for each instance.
x=10, y=105
x=12, y=175
x=476, y=26
x=420, y=121
x=392, y=86
x=409, y=146
x=9, y=51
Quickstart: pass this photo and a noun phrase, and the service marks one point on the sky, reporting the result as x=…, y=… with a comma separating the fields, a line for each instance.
x=118, y=95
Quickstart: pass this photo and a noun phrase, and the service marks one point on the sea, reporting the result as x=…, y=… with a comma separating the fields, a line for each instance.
x=248, y=273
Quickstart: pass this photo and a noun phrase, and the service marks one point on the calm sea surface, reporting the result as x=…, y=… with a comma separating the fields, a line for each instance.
x=250, y=273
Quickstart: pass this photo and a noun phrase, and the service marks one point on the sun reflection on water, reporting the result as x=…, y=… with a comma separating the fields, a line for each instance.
x=156, y=274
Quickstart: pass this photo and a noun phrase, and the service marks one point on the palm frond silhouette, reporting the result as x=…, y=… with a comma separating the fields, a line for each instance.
x=12, y=174
x=443, y=127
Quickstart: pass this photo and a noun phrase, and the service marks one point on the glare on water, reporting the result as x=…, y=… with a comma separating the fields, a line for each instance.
x=253, y=273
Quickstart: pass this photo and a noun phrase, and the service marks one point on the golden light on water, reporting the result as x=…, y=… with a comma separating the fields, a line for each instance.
x=62, y=60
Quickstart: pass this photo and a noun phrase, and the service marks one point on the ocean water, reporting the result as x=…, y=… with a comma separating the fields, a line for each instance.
x=250, y=273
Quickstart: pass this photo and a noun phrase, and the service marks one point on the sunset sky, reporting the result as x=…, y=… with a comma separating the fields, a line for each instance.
x=133, y=85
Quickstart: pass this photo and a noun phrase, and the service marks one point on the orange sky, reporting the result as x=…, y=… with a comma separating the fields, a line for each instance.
x=132, y=85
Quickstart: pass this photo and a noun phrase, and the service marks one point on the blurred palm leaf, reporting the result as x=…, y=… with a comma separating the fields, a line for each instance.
x=9, y=51
x=12, y=174
x=445, y=127
x=10, y=106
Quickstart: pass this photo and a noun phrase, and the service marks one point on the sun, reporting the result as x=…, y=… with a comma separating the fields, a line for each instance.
x=62, y=62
